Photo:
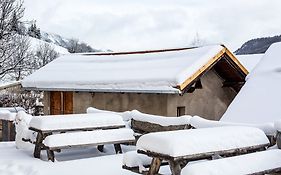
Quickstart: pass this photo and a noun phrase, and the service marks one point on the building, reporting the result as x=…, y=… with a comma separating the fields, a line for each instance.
x=197, y=81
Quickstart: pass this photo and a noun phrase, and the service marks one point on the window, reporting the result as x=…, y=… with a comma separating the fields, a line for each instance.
x=180, y=110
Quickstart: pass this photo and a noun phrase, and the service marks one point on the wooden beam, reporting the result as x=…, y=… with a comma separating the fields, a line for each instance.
x=236, y=61
x=202, y=69
x=230, y=84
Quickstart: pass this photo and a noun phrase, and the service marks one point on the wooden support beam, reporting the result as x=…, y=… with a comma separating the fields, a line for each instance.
x=175, y=167
x=118, y=148
x=155, y=166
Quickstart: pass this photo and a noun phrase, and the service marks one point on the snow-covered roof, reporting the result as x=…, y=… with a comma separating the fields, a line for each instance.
x=259, y=99
x=249, y=61
x=163, y=71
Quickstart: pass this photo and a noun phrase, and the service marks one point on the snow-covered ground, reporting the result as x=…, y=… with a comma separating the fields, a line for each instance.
x=69, y=162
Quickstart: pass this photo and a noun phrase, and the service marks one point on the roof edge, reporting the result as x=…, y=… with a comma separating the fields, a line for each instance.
x=176, y=91
x=209, y=64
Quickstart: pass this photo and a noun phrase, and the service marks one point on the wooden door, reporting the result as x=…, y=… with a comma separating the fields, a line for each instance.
x=61, y=103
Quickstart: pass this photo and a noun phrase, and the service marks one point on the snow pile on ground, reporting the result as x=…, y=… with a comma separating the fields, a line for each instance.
x=125, y=115
x=244, y=164
x=196, y=141
x=133, y=159
x=22, y=121
x=199, y=122
x=14, y=169
x=147, y=72
x=7, y=115
x=160, y=120
x=259, y=99
x=76, y=121
x=69, y=162
x=89, y=137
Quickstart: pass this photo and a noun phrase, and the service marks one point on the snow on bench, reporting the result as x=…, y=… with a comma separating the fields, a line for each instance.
x=194, y=144
x=254, y=163
x=125, y=115
x=75, y=122
x=146, y=123
x=199, y=122
x=88, y=138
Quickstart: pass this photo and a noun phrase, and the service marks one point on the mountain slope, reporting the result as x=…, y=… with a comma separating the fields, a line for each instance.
x=258, y=45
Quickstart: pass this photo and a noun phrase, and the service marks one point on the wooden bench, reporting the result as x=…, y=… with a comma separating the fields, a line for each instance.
x=258, y=163
x=146, y=123
x=181, y=147
x=57, y=127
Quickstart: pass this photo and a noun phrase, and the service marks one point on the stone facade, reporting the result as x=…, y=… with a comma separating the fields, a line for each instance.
x=209, y=102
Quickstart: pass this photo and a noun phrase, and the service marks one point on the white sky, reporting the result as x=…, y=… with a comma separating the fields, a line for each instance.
x=152, y=24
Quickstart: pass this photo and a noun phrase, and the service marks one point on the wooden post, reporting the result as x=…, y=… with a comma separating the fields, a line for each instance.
x=100, y=148
x=38, y=145
x=8, y=131
x=175, y=167
x=154, y=166
x=51, y=155
x=278, y=139
x=117, y=148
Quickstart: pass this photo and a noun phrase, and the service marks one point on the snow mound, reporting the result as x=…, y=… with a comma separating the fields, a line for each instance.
x=199, y=122
x=160, y=120
x=22, y=121
x=258, y=101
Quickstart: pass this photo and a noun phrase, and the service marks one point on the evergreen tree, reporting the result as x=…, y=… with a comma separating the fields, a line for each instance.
x=33, y=31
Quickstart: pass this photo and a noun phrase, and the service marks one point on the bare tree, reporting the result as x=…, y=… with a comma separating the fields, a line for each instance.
x=13, y=47
x=45, y=54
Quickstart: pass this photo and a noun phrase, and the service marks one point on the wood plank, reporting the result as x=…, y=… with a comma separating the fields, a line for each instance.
x=77, y=129
x=55, y=103
x=38, y=144
x=90, y=144
x=68, y=102
x=175, y=167
x=201, y=70
x=206, y=155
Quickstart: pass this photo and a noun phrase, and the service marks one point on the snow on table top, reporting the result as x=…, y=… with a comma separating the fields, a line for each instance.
x=196, y=141
x=250, y=61
x=160, y=120
x=75, y=121
x=89, y=137
x=199, y=122
x=244, y=164
x=7, y=115
x=125, y=115
x=259, y=99
x=151, y=72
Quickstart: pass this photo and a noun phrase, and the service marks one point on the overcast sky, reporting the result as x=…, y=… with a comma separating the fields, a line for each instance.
x=152, y=24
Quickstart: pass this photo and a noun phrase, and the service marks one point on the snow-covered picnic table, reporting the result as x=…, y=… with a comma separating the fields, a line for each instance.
x=180, y=147
x=66, y=131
